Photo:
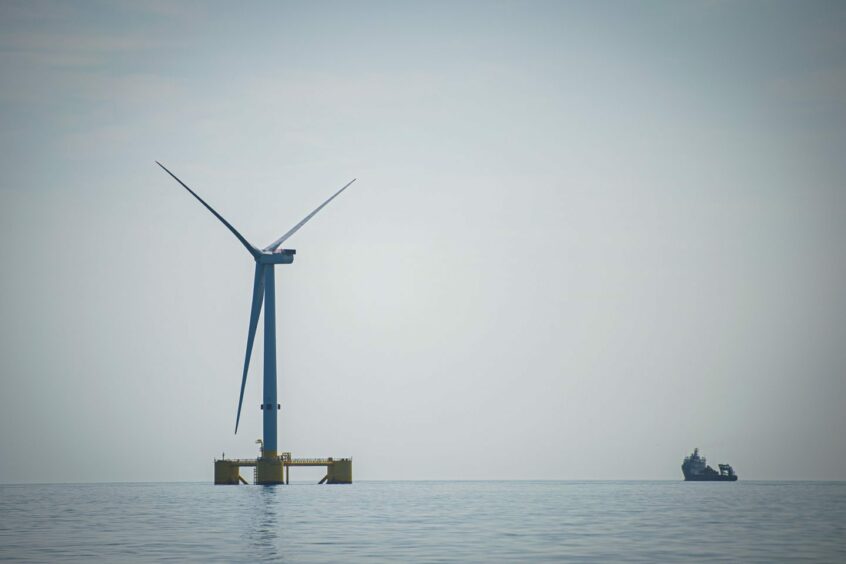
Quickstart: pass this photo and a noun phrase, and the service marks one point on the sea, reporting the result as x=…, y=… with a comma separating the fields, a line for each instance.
x=444, y=521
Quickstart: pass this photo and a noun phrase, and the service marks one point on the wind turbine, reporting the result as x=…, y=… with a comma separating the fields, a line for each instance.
x=264, y=290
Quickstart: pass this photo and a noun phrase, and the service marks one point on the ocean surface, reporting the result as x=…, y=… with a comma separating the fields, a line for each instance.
x=427, y=522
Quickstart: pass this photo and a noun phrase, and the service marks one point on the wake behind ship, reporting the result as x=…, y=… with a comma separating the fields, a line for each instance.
x=695, y=470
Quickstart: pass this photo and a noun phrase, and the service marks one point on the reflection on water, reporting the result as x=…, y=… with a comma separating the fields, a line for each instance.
x=446, y=521
x=263, y=534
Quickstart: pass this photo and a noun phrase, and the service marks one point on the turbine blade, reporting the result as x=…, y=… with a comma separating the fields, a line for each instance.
x=272, y=247
x=252, y=250
x=258, y=297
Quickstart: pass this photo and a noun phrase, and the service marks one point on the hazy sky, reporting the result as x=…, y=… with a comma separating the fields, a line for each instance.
x=585, y=239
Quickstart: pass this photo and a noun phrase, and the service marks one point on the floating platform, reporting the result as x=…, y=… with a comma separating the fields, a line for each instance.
x=270, y=470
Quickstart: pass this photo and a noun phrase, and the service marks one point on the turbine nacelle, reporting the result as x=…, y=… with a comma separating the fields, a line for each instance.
x=282, y=256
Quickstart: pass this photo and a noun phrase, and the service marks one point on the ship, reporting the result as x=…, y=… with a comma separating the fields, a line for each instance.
x=695, y=470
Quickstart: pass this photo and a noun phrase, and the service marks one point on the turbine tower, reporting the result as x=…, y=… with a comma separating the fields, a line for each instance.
x=264, y=293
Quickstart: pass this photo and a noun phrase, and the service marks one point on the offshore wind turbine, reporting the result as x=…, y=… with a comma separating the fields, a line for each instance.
x=264, y=292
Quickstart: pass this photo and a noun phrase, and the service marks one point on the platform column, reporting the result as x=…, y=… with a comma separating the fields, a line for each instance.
x=226, y=473
x=339, y=472
x=269, y=471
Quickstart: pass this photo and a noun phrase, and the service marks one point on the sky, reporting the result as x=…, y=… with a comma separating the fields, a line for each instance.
x=586, y=237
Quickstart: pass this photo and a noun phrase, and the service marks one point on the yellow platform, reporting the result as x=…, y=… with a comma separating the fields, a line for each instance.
x=269, y=470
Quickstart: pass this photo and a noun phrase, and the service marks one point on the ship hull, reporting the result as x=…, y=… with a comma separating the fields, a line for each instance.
x=717, y=478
